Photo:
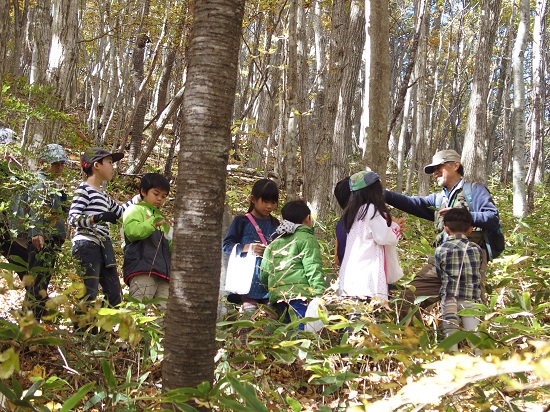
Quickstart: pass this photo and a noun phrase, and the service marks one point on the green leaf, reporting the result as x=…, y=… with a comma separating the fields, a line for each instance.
x=185, y=407
x=77, y=397
x=9, y=363
x=294, y=404
x=108, y=373
x=453, y=339
x=31, y=391
x=247, y=393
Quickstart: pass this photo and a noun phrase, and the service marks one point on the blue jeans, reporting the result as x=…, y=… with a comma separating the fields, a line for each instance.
x=95, y=272
x=299, y=306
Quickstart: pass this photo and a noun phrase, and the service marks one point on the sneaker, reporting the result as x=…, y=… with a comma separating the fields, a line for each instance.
x=249, y=307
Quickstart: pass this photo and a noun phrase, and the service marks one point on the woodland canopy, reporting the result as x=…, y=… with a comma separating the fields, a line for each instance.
x=304, y=92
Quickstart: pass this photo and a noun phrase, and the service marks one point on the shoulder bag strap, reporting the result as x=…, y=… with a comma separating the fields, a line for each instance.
x=258, y=230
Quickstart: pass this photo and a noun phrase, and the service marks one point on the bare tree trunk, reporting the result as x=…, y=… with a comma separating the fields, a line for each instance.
x=401, y=143
x=519, y=201
x=295, y=100
x=377, y=79
x=496, y=116
x=138, y=121
x=423, y=146
x=508, y=135
x=195, y=278
x=40, y=32
x=537, y=99
x=475, y=140
x=341, y=148
x=4, y=34
x=317, y=150
x=405, y=83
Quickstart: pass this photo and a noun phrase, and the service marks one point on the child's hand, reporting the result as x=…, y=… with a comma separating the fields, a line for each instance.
x=257, y=248
x=160, y=223
x=400, y=222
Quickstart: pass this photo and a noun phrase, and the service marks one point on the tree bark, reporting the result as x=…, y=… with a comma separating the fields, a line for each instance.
x=378, y=81
x=475, y=140
x=423, y=145
x=195, y=278
x=519, y=201
x=537, y=98
x=341, y=148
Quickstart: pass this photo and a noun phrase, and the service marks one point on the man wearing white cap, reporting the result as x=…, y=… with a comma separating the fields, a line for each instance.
x=448, y=172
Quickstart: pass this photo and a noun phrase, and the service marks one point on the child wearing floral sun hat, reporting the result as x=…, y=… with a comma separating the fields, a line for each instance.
x=369, y=227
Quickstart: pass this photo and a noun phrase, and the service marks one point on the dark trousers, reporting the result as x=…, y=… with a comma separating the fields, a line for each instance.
x=10, y=249
x=299, y=306
x=95, y=272
x=41, y=268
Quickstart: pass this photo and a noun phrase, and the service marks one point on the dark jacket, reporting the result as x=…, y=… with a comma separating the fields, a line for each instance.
x=147, y=250
x=483, y=209
x=481, y=206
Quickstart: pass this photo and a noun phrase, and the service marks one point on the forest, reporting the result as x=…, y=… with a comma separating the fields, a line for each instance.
x=216, y=94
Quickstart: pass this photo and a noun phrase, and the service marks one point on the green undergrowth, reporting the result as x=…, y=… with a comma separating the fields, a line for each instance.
x=385, y=359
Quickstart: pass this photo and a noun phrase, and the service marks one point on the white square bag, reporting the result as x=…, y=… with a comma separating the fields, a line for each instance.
x=240, y=270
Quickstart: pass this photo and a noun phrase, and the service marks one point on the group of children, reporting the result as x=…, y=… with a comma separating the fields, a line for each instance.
x=44, y=213
x=289, y=268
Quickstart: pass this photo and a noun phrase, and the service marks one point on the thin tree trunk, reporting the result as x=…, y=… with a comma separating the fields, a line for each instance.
x=519, y=201
x=537, y=99
x=294, y=100
x=378, y=81
x=423, y=146
x=496, y=115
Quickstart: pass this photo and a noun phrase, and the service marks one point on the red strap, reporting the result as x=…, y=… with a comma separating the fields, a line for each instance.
x=258, y=230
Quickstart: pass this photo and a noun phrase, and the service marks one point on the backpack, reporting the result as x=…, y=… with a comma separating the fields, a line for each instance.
x=493, y=238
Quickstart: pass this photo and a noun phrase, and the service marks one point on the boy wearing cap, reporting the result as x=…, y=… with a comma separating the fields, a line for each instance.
x=90, y=213
x=47, y=211
x=448, y=173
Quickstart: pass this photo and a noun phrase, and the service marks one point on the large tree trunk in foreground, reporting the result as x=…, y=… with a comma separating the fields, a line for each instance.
x=208, y=100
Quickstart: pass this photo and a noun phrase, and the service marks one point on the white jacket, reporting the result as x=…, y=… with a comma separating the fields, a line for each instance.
x=362, y=273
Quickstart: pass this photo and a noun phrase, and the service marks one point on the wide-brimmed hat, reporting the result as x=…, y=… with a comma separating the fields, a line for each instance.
x=7, y=135
x=440, y=158
x=53, y=153
x=362, y=179
x=95, y=154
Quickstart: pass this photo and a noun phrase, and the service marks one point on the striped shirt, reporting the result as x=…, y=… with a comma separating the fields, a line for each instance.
x=87, y=202
x=458, y=264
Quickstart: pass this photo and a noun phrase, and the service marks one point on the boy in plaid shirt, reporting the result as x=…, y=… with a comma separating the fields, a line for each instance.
x=458, y=263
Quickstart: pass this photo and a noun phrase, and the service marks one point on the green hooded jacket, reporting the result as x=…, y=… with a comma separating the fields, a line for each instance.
x=292, y=267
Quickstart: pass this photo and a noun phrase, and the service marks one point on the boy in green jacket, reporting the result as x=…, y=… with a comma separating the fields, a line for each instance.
x=292, y=267
x=147, y=234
